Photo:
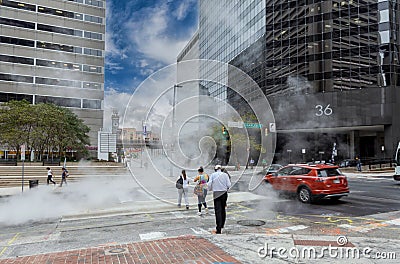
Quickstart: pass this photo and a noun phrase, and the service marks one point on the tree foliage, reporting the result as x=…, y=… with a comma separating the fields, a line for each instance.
x=42, y=127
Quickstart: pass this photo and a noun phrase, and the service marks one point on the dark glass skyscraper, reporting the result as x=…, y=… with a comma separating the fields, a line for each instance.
x=330, y=70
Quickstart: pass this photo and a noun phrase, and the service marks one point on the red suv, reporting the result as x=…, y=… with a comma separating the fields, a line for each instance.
x=310, y=182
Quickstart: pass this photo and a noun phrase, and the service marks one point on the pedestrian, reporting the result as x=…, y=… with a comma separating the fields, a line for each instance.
x=358, y=161
x=219, y=184
x=202, y=179
x=251, y=163
x=264, y=163
x=64, y=176
x=50, y=176
x=184, y=190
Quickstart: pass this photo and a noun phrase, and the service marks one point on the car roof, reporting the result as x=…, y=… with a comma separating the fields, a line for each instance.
x=315, y=166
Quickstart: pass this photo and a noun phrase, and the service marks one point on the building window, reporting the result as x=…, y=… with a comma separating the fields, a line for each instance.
x=53, y=46
x=66, y=31
x=94, y=19
x=16, y=23
x=58, y=64
x=60, y=101
x=58, y=82
x=14, y=59
x=91, y=104
x=16, y=78
x=91, y=85
x=90, y=68
x=18, y=5
x=92, y=52
x=16, y=41
x=6, y=97
x=93, y=35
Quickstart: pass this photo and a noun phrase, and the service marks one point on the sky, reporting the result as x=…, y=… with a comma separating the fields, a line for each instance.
x=142, y=36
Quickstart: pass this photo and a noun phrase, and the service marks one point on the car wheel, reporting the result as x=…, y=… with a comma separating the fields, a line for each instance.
x=304, y=195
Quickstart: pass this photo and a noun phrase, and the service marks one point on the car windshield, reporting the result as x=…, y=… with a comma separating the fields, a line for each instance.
x=329, y=172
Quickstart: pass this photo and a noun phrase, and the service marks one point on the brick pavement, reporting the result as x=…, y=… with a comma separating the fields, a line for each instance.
x=183, y=249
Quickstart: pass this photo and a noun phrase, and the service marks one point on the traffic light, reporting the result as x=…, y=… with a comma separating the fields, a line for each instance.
x=224, y=132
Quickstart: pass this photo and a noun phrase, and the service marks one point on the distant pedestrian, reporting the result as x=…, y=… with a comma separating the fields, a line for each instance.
x=219, y=183
x=202, y=179
x=50, y=176
x=64, y=176
x=358, y=161
x=264, y=163
x=251, y=163
x=184, y=190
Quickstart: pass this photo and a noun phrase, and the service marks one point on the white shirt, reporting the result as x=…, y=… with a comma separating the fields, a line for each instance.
x=219, y=182
x=185, y=183
x=49, y=173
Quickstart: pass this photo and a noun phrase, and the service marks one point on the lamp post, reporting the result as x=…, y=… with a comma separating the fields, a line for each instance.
x=173, y=127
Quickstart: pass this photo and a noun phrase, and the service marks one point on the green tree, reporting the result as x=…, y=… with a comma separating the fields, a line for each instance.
x=43, y=127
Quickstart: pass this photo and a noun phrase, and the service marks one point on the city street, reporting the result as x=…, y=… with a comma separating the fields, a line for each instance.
x=372, y=210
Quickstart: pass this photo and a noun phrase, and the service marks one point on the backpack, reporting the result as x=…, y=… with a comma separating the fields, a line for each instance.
x=179, y=183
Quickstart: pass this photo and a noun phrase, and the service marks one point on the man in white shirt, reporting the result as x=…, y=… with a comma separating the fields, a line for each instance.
x=219, y=184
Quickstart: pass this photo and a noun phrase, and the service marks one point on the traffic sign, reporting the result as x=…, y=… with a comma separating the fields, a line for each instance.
x=23, y=152
x=252, y=125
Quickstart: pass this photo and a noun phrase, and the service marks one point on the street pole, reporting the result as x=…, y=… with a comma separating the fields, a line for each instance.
x=173, y=128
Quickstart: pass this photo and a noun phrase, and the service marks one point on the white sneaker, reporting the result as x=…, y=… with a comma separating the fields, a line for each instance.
x=206, y=210
x=199, y=213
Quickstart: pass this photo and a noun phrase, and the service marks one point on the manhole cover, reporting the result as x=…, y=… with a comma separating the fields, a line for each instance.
x=115, y=251
x=251, y=222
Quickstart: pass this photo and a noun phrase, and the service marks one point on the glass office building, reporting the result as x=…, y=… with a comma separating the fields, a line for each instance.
x=226, y=28
x=53, y=51
x=330, y=69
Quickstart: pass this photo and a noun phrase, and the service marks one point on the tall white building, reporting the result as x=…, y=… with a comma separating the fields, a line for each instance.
x=53, y=51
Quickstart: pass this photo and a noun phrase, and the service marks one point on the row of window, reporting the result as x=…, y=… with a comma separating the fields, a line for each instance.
x=48, y=28
x=68, y=14
x=30, y=7
x=366, y=31
x=48, y=81
x=60, y=101
x=50, y=46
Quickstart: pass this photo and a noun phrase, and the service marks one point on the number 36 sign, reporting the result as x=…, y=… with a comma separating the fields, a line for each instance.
x=321, y=110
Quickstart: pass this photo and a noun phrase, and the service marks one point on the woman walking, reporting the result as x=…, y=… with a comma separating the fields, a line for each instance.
x=184, y=190
x=202, y=179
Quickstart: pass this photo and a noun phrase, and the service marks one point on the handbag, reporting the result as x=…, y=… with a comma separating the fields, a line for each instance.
x=198, y=190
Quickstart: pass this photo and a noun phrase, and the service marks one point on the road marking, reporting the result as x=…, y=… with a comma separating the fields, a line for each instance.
x=393, y=222
x=290, y=228
x=178, y=214
x=9, y=244
x=200, y=231
x=152, y=235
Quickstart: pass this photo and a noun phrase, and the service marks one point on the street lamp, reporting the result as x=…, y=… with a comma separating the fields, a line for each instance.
x=173, y=127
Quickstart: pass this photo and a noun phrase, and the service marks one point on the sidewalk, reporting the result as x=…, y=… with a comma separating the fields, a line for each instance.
x=185, y=249
x=227, y=249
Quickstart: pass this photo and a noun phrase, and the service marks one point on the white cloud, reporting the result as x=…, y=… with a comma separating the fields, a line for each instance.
x=152, y=36
x=182, y=10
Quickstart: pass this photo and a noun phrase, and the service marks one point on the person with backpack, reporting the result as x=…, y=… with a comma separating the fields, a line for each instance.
x=182, y=184
x=201, y=189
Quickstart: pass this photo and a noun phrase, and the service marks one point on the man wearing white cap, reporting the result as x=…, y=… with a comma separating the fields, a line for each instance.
x=219, y=183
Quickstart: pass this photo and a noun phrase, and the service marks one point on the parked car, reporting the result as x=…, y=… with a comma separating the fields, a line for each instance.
x=271, y=169
x=310, y=182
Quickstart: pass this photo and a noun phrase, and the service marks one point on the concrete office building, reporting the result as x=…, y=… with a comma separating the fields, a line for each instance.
x=330, y=70
x=53, y=51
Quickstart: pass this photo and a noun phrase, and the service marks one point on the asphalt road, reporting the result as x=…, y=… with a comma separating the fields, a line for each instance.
x=368, y=198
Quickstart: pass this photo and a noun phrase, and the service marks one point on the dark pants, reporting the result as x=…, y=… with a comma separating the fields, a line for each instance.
x=63, y=180
x=220, y=211
x=201, y=200
x=50, y=179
